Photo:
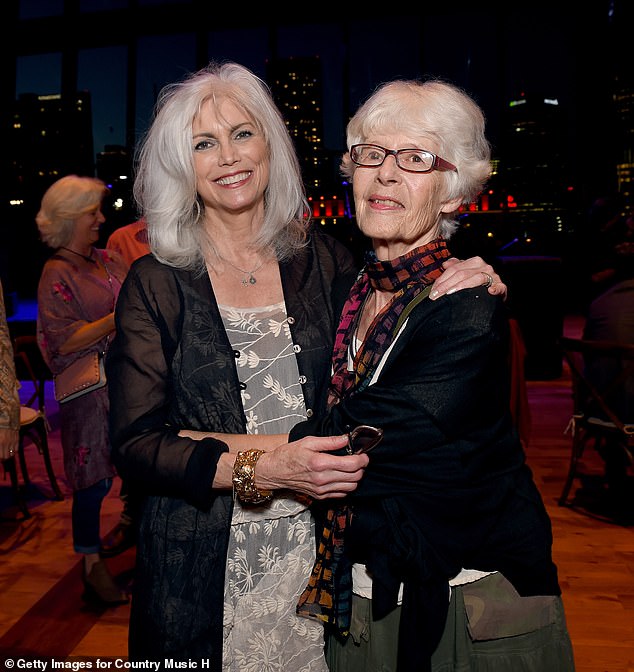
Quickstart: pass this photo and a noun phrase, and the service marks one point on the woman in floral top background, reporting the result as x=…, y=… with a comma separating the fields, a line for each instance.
x=77, y=292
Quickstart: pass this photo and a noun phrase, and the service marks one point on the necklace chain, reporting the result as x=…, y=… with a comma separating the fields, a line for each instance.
x=90, y=259
x=249, y=277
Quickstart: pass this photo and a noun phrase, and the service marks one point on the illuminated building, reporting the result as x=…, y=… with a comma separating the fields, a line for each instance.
x=623, y=99
x=534, y=146
x=296, y=84
x=50, y=136
x=297, y=87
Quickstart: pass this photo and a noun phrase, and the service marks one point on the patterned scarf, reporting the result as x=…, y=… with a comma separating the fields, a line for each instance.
x=328, y=595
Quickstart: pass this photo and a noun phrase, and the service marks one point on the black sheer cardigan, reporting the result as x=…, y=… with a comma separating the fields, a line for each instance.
x=171, y=366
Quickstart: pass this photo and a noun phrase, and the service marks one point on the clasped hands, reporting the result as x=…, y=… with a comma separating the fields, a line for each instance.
x=306, y=466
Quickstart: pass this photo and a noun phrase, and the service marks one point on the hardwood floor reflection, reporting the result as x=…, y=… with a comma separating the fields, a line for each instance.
x=42, y=613
x=40, y=577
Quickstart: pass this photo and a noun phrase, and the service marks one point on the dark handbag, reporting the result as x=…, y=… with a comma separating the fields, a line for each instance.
x=84, y=375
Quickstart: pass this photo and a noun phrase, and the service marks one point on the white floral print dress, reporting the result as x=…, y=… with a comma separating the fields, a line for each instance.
x=272, y=546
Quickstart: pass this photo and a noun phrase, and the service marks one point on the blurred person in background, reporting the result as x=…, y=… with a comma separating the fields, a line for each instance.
x=77, y=293
x=610, y=317
x=130, y=241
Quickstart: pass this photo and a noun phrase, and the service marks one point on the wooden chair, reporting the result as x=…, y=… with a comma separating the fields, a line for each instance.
x=33, y=423
x=36, y=367
x=601, y=415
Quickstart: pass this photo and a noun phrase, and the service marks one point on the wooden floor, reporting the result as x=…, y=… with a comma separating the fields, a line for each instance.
x=41, y=611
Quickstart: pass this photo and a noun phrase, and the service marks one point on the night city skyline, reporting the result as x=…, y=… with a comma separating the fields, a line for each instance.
x=123, y=53
x=534, y=48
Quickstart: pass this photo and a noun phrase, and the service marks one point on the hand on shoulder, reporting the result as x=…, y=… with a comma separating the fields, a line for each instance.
x=465, y=274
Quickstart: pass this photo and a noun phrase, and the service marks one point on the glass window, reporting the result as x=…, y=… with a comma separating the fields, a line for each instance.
x=36, y=9
x=161, y=60
x=103, y=72
x=87, y=6
x=39, y=73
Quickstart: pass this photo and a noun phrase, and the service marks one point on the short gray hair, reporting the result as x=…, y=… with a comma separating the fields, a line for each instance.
x=64, y=201
x=430, y=109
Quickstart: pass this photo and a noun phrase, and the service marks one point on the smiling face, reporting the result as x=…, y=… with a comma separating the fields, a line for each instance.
x=397, y=209
x=231, y=159
x=86, y=228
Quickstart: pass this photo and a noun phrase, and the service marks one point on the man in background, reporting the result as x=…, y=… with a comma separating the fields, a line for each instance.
x=131, y=242
x=610, y=317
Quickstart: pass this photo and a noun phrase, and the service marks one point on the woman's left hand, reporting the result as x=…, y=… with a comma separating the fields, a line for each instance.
x=472, y=272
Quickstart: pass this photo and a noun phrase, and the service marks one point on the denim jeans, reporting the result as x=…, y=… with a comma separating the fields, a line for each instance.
x=86, y=516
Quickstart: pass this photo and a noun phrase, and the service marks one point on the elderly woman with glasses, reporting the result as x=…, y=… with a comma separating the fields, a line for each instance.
x=441, y=558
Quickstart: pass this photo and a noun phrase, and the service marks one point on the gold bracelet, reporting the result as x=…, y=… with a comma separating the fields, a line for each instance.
x=243, y=478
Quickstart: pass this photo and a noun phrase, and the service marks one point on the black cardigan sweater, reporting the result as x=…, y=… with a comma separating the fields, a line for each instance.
x=448, y=487
x=171, y=366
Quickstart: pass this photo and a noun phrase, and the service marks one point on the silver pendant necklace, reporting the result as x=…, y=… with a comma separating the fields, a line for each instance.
x=249, y=277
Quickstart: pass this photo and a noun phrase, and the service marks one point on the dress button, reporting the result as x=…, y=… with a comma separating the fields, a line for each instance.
x=302, y=379
x=297, y=348
x=291, y=320
x=236, y=354
x=309, y=412
x=243, y=386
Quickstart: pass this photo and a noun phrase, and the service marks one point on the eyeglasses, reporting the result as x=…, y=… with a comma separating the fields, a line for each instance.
x=411, y=160
x=363, y=438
